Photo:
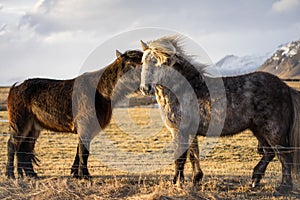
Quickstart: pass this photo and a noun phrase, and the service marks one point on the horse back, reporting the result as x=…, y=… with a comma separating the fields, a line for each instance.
x=47, y=102
x=257, y=101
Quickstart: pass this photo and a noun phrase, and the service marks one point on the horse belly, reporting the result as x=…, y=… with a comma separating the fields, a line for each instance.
x=54, y=119
x=236, y=122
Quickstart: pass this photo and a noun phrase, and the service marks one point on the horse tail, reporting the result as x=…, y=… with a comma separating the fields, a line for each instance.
x=9, y=105
x=13, y=86
x=294, y=136
x=10, y=94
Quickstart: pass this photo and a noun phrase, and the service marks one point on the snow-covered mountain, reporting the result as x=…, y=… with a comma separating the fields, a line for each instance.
x=285, y=62
x=234, y=65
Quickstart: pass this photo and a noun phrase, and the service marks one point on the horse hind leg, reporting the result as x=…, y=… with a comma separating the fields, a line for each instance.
x=26, y=156
x=286, y=159
x=11, y=150
x=260, y=148
x=194, y=158
x=260, y=168
x=278, y=148
x=13, y=147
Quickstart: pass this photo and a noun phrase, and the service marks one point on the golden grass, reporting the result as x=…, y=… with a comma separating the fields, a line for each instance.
x=228, y=168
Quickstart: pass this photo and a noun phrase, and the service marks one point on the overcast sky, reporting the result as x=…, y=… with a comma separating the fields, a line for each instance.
x=53, y=38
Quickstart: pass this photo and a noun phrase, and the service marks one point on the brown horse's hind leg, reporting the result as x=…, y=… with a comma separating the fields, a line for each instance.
x=13, y=147
x=11, y=150
x=25, y=154
x=194, y=158
x=26, y=157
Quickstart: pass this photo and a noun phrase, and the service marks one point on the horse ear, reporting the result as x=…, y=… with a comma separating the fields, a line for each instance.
x=144, y=46
x=118, y=54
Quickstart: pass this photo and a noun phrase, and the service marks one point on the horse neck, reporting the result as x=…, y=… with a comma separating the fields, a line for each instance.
x=111, y=87
x=189, y=71
x=191, y=74
x=108, y=80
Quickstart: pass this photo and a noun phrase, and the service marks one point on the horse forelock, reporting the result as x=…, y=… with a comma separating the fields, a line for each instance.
x=171, y=48
x=164, y=48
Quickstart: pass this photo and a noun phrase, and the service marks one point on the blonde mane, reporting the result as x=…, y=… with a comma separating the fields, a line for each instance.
x=166, y=47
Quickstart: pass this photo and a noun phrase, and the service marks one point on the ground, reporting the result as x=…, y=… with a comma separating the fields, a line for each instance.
x=121, y=170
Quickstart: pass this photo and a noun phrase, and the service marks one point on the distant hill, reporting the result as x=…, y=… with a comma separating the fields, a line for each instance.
x=232, y=65
x=285, y=62
x=3, y=97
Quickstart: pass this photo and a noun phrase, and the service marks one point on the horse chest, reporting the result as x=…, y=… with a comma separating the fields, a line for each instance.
x=169, y=107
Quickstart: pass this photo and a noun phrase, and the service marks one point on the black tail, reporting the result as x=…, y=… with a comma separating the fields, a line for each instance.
x=295, y=134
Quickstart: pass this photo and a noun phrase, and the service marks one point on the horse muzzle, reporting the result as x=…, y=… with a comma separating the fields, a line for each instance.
x=147, y=89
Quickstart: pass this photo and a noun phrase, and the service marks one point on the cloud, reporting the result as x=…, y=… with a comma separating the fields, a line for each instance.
x=285, y=5
x=50, y=16
x=50, y=38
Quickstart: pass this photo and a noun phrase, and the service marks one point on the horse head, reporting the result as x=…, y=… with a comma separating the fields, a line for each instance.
x=157, y=55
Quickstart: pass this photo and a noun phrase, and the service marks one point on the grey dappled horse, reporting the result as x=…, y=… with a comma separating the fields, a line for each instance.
x=258, y=101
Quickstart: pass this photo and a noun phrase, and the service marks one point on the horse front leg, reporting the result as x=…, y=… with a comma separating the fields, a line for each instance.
x=75, y=166
x=83, y=155
x=179, y=168
x=181, y=149
x=194, y=158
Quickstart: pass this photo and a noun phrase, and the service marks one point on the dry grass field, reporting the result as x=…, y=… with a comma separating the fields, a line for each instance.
x=121, y=172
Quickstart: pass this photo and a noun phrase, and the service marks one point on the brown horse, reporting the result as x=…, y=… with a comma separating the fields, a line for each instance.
x=258, y=101
x=82, y=106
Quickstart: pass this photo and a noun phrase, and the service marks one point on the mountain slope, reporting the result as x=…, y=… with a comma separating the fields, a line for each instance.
x=285, y=62
x=232, y=65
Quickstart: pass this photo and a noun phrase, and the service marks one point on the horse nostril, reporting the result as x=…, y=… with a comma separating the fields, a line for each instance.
x=149, y=88
x=146, y=89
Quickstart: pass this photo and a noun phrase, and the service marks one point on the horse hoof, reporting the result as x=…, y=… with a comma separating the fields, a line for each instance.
x=255, y=183
x=87, y=177
x=10, y=175
x=74, y=172
x=174, y=181
x=32, y=175
x=256, y=177
x=197, y=178
x=280, y=193
x=283, y=190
